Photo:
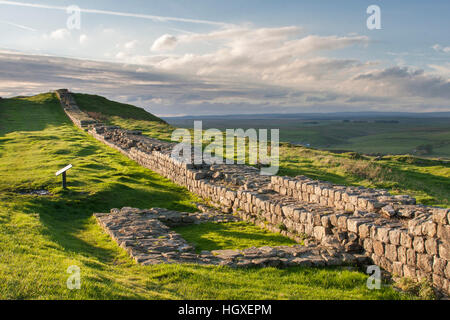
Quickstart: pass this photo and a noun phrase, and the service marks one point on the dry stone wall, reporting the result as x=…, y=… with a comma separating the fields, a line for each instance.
x=400, y=236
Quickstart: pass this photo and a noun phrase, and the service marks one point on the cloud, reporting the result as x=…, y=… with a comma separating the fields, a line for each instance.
x=130, y=44
x=164, y=43
x=439, y=48
x=60, y=34
x=166, y=93
x=406, y=82
x=83, y=39
x=261, y=54
x=442, y=70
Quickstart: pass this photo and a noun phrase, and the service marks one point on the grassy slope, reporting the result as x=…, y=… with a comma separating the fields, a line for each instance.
x=40, y=237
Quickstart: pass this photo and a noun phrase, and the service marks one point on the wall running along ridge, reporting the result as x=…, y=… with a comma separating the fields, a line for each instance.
x=405, y=239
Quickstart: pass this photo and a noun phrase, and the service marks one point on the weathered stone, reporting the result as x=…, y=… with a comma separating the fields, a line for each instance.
x=383, y=234
x=440, y=215
x=391, y=252
x=401, y=255
x=378, y=248
x=405, y=240
x=419, y=244
x=364, y=231
x=319, y=232
x=431, y=246
x=388, y=211
x=425, y=262
x=409, y=271
x=444, y=250
x=429, y=229
x=439, y=265
x=443, y=233
x=394, y=236
x=368, y=245
x=411, y=257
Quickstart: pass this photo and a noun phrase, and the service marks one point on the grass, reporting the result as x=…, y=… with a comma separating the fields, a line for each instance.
x=233, y=235
x=425, y=179
x=41, y=236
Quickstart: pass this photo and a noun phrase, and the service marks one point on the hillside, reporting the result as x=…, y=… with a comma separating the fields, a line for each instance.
x=41, y=236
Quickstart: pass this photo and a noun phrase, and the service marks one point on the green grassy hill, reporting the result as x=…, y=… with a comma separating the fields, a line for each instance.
x=41, y=236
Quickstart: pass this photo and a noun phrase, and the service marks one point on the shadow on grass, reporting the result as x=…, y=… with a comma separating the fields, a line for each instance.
x=66, y=216
x=23, y=115
x=217, y=236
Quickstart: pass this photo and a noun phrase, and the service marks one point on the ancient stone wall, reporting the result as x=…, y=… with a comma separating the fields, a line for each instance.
x=401, y=237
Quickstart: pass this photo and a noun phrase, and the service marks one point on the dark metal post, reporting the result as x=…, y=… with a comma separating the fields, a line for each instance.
x=64, y=184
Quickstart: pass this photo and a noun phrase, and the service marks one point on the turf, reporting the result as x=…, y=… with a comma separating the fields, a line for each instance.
x=41, y=236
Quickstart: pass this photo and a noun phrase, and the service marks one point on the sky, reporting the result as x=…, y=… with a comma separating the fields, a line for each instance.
x=229, y=57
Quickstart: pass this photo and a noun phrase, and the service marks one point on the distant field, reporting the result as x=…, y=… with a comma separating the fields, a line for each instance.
x=428, y=137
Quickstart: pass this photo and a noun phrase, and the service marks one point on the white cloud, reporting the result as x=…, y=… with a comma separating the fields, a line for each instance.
x=442, y=70
x=83, y=38
x=439, y=48
x=164, y=43
x=267, y=54
x=60, y=34
x=130, y=44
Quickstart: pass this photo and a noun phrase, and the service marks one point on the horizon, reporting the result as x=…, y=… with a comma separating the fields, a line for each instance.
x=212, y=58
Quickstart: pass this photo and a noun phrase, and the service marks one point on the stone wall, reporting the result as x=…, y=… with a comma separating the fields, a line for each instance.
x=148, y=239
x=401, y=237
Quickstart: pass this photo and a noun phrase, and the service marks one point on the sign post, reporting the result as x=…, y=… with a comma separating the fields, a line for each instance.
x=63, y=172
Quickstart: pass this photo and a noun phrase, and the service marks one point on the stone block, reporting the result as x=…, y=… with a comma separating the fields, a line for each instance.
x=342, y=222
x=425, y=262
x=439, y=265
x=319, y=232
x=419, y=244
x=429, y=229
x=378, y=248
x=411, y=257
x=364, y=230
x=401, y=255
x=440, y=215
x=368, y=245
x=409, y=271
x=383, y=234
x=443, y=233
x=353, y=224
x=431, y=246
x=394, y=236
x=444, y=250
x=397, y=269
x=391, y=252
x=405, y=240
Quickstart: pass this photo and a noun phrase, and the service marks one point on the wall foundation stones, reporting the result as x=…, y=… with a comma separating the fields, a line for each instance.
x=397, y=234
